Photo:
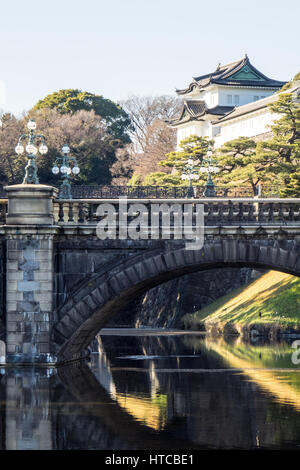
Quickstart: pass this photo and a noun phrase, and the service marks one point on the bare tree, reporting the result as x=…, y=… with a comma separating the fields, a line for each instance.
x=144, y=110
x=159, y=140
x=124, y=166
x=10, y=168
x=151, y=137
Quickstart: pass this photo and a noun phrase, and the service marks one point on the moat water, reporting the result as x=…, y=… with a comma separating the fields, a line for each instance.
x=157, y=390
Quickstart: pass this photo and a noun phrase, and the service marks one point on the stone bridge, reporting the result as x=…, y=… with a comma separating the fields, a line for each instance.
x=62, y=283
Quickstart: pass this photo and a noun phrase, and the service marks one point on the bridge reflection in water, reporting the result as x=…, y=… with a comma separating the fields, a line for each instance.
x=156, y=392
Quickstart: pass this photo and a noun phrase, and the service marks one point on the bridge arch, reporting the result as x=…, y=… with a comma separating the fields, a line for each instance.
x=105, y=293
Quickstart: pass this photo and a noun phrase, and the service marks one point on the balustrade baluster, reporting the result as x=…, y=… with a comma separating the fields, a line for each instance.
x=271, y=212
x=220, y=215
x=90, y=212
x=61, y=212
x=3, y=213
x=80, y=213
x=280, y=212
x=240, y=213
x=246, y=212
x=250, y=217
x=210, y=214
x=296, y=209
x=291, y=215
x=261, y=212
x=230, y=212
x=70, y=214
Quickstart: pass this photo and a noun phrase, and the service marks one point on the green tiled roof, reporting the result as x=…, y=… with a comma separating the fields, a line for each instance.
x=239, y=73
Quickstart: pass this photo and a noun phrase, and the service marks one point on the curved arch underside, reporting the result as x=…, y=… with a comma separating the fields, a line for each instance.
x=103, y=295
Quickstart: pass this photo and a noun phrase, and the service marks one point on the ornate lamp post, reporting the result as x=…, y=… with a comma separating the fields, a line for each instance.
x=209, y=169
x=191, y=173
x=32, y=150
x=65, y=161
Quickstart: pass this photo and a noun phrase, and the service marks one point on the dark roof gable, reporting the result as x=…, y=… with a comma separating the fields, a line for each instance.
x=193, y=110
x=240, y=73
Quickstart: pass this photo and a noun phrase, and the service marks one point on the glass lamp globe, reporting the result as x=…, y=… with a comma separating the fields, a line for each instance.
x=43, y=149
x=202, y=169
x=31, y=149
x=64, y=169
x=183, y=177
x=209, y=153
x=196, y=177
x=31, y=125
x=19, y=149
x=65, y=149
x=190, y=161
x=69, y=171
x=76, y=170
x=55, y=170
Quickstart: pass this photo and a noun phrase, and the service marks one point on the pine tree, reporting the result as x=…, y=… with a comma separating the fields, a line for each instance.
x=193, y=147
x=273, y=161
x=239, y=165
x=292, y=189
x=281, y=154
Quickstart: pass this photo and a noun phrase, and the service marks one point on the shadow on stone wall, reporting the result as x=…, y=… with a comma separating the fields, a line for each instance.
x=165, y=305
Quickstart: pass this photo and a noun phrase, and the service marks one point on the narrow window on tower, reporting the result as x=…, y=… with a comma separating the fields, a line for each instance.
x=229, y=99
x=236, y=99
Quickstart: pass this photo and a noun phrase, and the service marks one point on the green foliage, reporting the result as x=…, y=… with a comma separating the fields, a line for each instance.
x=240, y=163
x=290, y=84
x=193, y=147
x=162, y=179
x=273, y=161
x=292, y=189
x=158, y=178
x=135, y=180
x=69, y=101
x=282, y=152
x=275, y=295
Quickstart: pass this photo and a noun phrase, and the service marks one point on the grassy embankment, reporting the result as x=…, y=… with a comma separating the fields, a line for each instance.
x=269, y=305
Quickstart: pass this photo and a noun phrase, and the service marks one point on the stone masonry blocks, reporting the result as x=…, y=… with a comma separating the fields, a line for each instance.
x=29, y=295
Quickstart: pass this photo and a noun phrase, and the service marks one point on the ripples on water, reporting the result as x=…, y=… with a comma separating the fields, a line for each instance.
x=157, y=392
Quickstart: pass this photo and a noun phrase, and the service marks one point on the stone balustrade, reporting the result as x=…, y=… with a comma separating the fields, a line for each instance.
x=217, y=211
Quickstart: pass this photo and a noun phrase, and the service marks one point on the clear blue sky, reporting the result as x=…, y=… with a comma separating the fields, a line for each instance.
x=122, y=47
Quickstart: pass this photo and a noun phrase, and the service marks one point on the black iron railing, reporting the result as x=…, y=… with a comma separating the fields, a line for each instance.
x=164, y=192
x=155, y=192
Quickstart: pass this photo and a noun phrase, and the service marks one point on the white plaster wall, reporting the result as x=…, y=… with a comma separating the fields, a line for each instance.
x=200, y=128
x=217, y=95
x=244, y=95
x=245, y=126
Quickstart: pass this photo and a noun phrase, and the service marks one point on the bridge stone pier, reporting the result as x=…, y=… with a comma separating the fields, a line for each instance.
x=61, y=284
x=29, y=237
